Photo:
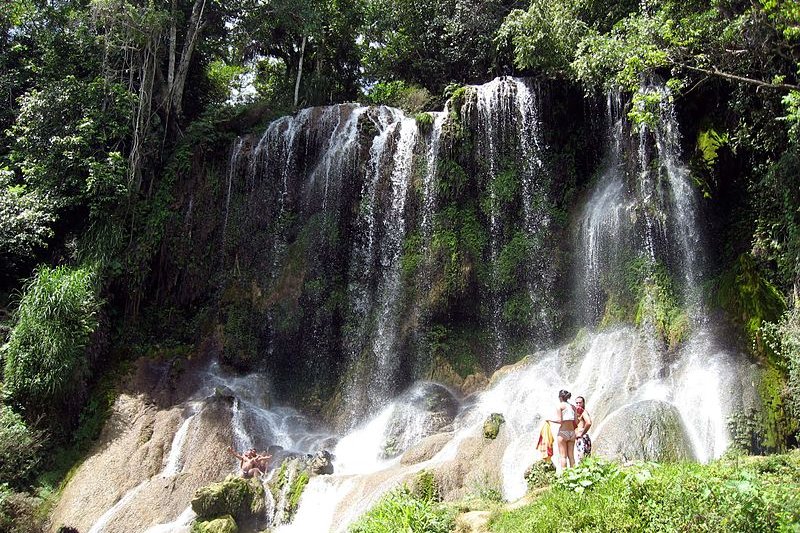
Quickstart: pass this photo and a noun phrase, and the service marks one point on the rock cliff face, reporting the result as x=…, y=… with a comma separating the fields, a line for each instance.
x=149, y=460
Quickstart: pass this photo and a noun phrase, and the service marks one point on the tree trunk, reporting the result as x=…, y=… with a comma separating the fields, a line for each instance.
x=299, y=71
x=193, y=30
x=173, y=36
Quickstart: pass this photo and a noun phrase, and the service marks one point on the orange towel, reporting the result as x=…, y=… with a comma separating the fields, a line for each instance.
x=545, y=444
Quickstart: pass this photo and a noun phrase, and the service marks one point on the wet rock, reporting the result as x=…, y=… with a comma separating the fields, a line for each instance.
x=322, y=463
x=286, y=486
x=425, y=449
x=491, y=427
x=225, y=524
x=426, y=409
x=241, y=498
x=649, y=430
x=474, y=383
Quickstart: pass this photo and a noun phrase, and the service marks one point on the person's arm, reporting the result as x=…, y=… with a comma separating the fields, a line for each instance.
x=240, y=457
x=587, y=421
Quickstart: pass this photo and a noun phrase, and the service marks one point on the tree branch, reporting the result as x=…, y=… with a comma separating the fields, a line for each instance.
x=714, y=72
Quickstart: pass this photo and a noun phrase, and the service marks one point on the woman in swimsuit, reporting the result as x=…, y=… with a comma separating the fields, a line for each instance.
x=565, y=417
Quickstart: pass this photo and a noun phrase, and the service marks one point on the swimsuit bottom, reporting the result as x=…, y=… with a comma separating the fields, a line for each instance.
x=567, y=434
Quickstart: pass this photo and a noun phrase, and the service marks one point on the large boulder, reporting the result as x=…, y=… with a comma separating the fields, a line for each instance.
x=322, y=463
x=649, y=430
x=241, y=498
x=491, y=426
x=426, y=409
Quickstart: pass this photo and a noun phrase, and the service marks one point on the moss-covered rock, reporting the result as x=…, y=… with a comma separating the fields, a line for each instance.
x=241, y=498
x=649, y=430
x=225, y=524
x=491, y=427
x=287, y=486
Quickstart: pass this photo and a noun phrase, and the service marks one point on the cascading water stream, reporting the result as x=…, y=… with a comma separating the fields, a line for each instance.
x=508, y=136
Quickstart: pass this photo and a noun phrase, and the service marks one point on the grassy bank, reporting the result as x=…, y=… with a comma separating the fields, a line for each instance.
x=736, y=494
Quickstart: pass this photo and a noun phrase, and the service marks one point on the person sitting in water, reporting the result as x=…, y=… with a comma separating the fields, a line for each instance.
x=583, y=444
x=565, y=417
x=251, y=464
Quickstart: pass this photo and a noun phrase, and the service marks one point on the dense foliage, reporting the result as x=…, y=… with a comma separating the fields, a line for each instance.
x=46, y=360
x=403, y=510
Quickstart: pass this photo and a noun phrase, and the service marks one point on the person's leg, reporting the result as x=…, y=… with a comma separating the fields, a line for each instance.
x=562, y=451
x=571, y=451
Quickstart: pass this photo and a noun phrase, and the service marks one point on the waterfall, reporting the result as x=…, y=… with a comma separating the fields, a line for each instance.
x=655, y=218
x=509, y=145
x=331, y=197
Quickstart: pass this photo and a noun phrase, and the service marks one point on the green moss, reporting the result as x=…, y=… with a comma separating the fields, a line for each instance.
x=503, y=190
x=424, y=122
x=412, y=256
x=779, y=427
x=491, y=426
x=457, y=102
x=518, y=310
x=451, y=180
x=235, y=496
x=751, y=300
x=225, y=524
x=293, y=497
x=657, y=302
x=459, y=346
x=512, y=261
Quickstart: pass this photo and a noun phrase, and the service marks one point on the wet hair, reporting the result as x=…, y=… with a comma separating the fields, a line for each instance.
x=564, y=395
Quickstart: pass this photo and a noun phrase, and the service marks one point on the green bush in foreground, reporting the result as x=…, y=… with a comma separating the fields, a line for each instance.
x=46, y=359
x=400, y=510
x=746, y=494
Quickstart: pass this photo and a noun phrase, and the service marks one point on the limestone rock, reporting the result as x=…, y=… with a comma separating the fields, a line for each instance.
x=649, y=430
x=322, y=463
x=425, y=449
x=426, y=409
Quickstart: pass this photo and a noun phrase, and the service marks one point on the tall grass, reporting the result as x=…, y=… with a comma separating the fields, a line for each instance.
x=401, y=510
x=46, y=361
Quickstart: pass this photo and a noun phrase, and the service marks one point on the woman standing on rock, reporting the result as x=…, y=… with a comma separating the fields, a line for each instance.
x=565, y=417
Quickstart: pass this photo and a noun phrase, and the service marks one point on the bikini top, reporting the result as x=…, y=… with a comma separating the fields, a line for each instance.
x=568, y=413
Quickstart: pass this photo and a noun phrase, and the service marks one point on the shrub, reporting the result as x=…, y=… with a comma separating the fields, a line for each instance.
x=589, y=473
x=408, y=97
x=540, y=474
x=19, y=446
x=400, y=510
x=18, y=512
x=46, y=361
